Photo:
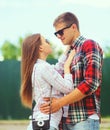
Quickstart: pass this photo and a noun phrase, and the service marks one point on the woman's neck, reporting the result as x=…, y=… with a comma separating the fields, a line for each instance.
x=43, y=57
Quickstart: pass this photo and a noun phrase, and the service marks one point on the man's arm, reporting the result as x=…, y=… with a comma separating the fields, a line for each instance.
x=56, y=104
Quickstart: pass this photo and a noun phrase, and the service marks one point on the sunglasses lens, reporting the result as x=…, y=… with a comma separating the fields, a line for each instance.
x=59, y=33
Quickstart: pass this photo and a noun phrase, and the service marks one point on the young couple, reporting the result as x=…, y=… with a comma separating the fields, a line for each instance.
x=75, y=79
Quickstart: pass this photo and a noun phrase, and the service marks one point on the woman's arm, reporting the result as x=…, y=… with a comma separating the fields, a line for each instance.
x=64, y=85
x=59, y=66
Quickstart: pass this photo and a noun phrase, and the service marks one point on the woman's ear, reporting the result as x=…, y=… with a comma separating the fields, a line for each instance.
x=41, y=48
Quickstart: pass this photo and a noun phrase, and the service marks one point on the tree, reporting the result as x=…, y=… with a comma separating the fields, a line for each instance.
x=13, y=51
x=19, y=44
x=9, y=51
x=107, y=52
x=56, y=52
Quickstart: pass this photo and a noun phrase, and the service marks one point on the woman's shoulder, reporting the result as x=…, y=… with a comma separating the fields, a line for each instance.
x=42, y=65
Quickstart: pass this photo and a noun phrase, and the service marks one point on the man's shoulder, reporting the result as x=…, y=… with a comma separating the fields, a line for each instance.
x=90, y=43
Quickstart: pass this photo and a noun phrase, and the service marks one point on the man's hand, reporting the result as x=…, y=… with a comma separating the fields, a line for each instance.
x=55, y=105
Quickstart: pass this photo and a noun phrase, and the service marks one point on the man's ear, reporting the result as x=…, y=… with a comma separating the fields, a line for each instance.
x=74, y=26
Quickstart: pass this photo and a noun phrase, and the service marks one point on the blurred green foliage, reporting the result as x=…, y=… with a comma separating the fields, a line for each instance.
x=11, y=50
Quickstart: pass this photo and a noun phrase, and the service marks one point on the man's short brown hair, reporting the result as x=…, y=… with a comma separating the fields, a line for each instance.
x=67, y=18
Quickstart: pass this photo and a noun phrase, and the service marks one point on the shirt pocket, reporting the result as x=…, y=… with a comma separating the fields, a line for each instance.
x=77, y=67
x=77, y=60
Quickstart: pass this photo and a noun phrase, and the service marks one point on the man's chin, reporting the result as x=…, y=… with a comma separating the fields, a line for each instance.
x=65, y=43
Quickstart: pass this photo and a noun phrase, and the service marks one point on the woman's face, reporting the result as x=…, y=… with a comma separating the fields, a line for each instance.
x=46, y=47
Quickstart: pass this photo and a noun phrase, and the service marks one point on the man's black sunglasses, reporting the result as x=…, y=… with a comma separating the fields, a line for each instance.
x=60, y=32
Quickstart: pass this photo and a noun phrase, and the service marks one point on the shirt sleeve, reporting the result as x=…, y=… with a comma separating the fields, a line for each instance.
x=50, y=75
x=59, y=66
x=92, y=68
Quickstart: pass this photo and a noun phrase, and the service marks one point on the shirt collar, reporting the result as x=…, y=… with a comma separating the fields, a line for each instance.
x=40, y=61
x=78, y=42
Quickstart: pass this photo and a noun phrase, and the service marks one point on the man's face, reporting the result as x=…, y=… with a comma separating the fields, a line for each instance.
x=64, y=33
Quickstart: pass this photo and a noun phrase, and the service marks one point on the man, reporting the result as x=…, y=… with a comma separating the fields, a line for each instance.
x=86, y=69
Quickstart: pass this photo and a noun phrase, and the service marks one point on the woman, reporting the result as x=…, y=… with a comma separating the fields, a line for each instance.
x=36, y=73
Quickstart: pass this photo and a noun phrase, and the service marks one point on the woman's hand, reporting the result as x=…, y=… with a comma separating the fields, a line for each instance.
x=68, y=61
x=67, y=50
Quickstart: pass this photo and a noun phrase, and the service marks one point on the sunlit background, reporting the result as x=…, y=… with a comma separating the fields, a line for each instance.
x=20, y=17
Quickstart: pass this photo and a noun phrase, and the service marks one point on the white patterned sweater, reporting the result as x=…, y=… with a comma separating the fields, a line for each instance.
x=44, y=75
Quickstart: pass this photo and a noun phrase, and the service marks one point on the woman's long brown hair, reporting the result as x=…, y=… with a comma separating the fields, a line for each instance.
x=30, y=54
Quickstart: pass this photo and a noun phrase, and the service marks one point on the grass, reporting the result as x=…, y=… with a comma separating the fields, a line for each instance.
x=105, y=123
x=13, y=121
